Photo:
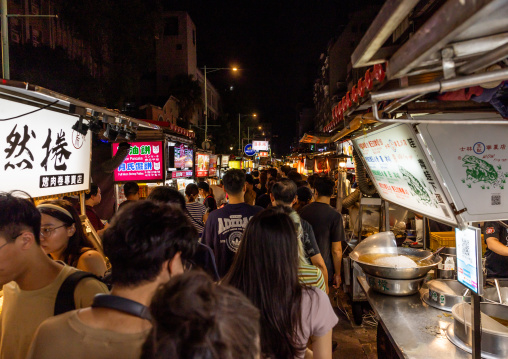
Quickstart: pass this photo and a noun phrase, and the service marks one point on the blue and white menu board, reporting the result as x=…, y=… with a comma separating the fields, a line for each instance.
x=401, y=171
x=469, y=268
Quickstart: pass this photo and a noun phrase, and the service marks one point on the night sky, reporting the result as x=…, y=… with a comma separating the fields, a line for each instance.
x=276, y=43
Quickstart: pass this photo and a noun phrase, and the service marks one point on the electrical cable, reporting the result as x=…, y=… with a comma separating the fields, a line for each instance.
x=28, y=113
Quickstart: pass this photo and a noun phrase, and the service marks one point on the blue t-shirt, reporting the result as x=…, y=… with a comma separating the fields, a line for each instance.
x=223, y=232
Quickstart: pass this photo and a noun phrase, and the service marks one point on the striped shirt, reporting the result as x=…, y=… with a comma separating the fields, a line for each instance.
x=196, y=211
x=311, y=275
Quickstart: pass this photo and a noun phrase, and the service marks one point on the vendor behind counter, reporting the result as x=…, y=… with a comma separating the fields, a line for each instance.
x=496, y=256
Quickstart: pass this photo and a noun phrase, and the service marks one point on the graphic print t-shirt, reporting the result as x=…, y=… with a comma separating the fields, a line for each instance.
x=223, y=232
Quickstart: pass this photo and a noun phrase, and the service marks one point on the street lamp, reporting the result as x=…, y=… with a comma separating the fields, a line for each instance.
x=206, y=70
x=239, y=135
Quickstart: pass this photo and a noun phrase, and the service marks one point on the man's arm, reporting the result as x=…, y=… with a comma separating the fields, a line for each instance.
x=319, y=262
x=337, y=262
x=497, y=247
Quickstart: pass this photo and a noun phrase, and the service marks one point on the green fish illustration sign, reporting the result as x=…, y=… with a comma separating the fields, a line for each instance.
x=478, y=170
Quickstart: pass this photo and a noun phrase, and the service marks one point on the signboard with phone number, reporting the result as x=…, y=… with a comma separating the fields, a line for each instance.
x=401, y=171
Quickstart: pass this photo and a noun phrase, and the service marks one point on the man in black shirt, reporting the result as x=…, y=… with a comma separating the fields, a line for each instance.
x=496, y=256
x=284, y=194
x=224, y=227
x=328, y=227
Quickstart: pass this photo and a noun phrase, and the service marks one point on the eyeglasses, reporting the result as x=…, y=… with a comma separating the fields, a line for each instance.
x=47, y=232
x=3, y=245
x=14, y=238
x=187, y=265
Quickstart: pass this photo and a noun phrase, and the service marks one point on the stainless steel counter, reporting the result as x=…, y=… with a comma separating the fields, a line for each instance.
x=416, y=329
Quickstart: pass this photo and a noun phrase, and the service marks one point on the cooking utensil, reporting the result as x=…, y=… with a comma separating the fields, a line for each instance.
x=395, y=287
x=491, y=295
x=430, y=255
x=444, y=294
x=394, y=272
x=498, y=291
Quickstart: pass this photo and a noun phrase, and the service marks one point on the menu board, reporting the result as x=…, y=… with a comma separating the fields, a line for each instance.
x=401, y=171
x=213, y=166
x=347, y=148
x=469, y=268
x=202, y=164
x=143, y=163
x=473, y=161
x=183, y=157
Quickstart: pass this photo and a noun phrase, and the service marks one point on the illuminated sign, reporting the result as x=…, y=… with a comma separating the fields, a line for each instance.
x=41, y=153
x=469, y=268
x=181, y=174
x=143, y=163
x=263, y=154
x=260, y=145
x=202, y=164
x=183, y=157
x=213, y=166
x=401, y=171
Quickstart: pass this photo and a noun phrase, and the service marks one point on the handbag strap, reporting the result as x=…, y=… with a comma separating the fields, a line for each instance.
x=122, y=305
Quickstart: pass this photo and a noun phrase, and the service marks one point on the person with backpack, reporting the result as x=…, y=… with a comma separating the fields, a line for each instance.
x=31, y=280
x=147, y=244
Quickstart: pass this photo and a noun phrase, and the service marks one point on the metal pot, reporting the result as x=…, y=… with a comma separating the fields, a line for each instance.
x=440, y=298
x=449, y=252
x=395, y=287
x=491, y=294
x=494, y=334
x=395, y=273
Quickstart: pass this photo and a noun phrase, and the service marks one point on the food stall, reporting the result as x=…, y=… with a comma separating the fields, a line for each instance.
x=213, y=170
x=428, y=123
x=180, y=164
x=202, y=164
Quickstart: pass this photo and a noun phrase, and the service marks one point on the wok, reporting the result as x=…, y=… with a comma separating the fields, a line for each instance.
x=391, y=272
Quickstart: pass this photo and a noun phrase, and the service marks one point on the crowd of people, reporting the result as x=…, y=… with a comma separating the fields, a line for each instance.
x=240, y=274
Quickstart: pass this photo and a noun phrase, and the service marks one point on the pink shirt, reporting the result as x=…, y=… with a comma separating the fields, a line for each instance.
x=318, y=317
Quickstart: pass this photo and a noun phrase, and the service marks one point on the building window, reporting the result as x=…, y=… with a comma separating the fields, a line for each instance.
x=194, y=36
x=178, y=46
x=171, y=26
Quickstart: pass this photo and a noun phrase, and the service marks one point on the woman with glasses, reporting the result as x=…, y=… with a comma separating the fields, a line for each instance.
x=265, y=269
x=63, y=238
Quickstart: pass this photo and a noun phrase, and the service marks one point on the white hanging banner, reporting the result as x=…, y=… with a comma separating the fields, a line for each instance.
x=473, y=161
x=40, y=153
x=402, y=173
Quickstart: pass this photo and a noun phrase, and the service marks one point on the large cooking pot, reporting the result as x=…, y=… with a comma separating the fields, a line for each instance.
x=391, y=272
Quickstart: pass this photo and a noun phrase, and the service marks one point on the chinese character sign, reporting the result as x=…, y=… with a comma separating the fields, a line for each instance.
x=202, y=164
x=183, y=157
x=143, y=163
x=402, y=172
x=40, y=152
x=474, y=166
x=260, y=145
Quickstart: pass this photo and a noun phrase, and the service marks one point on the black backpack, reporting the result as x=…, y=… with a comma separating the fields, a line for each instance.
x=65, y=297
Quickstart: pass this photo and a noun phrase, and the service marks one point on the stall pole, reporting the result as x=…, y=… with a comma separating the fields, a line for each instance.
x=424, y=231
x=82, y=203
x=5, y=41
x=476, y=325
x=387, y=216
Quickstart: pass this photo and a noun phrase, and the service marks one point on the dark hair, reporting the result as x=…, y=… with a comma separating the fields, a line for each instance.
x=167, y=195
x=302, y=183
x=255, y=173
x=284, y=191
x=94, y=189
x=249, y=179
x=273, y=172
x=286, y=169
x=192, y=189
x=130, y=188
x=142, y=237
x=270, y=184
x=78, y=240
x=17, y=213
x=324, y=186
x=271, y=284
x=204, y=186
x=263, y=177
x=304, y=194
x=234, y=180
x=311, y=179
x=294, y=176
x=196, y=318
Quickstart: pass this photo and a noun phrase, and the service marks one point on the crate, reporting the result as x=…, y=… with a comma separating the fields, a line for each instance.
x=447, y=239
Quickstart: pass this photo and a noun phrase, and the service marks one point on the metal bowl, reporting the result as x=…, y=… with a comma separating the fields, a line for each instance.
x=442, y=298
x=494, y=335
x=396, y=273
x=491, y=294
x=395, y=287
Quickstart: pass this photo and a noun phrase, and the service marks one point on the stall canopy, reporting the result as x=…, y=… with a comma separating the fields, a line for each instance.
x=46, y=138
